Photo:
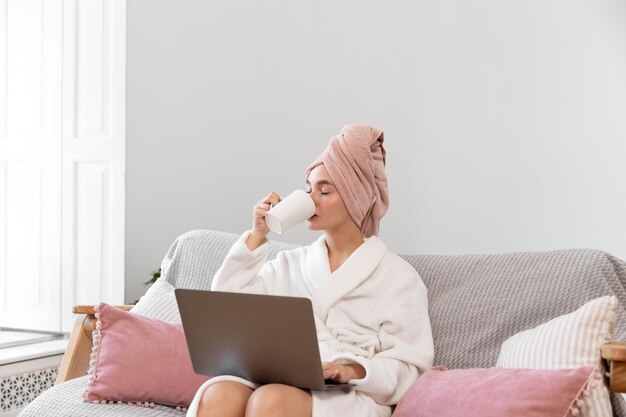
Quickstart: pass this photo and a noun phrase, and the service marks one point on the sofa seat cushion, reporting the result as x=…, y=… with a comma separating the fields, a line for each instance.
x=65, y=400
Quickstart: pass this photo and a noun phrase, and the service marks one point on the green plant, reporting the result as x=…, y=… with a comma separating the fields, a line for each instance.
x=155, y=275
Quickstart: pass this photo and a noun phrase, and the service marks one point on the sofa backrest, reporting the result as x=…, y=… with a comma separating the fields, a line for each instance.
x=475, y=301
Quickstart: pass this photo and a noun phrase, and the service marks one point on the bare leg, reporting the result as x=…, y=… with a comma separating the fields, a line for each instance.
x=224, y=399
x=278, y=400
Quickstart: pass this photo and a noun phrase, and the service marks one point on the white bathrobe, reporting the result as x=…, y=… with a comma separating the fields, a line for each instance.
x=373, y=310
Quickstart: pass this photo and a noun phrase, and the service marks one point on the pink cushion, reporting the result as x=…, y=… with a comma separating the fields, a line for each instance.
x=140, y=359
x=497, y=392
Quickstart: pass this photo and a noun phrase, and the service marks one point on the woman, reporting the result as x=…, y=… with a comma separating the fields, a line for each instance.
x=370, y=305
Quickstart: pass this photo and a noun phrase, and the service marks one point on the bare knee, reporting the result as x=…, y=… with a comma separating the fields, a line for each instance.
x=227, y=398
x=264, y=401
x=278, y=400
x=227, y=391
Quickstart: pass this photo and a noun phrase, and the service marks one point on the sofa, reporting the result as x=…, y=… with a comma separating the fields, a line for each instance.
x=476, y=301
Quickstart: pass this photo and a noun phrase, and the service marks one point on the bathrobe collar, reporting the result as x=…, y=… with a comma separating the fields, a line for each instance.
x=327, y=288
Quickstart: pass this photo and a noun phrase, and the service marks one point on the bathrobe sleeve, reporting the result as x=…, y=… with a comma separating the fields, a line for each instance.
x=244, y=270
x=406, y=342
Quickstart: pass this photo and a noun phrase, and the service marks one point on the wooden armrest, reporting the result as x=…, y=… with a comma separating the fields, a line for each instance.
x=76, y=356
x=91, y=309
x=615, y=354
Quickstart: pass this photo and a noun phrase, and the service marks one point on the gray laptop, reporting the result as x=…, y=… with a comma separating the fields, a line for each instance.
x=262, y=338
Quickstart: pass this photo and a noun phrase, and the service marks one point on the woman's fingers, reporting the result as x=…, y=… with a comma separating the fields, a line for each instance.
x=330, y=371
x=259, y=227
x=261, y=208
x=268, y=202
x=272, y=199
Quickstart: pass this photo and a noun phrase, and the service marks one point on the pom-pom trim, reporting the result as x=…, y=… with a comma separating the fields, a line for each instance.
x=577, y=404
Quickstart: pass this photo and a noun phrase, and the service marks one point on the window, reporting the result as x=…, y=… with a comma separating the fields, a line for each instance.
x=62, y=159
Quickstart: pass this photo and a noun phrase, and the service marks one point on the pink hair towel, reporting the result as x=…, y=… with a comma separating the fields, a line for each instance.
x=355, y=161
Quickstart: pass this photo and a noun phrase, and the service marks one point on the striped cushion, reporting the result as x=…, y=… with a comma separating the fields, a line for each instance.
x=159, y=303
x=568, y=341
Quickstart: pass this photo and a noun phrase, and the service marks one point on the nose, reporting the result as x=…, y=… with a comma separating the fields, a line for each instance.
x=314, y=198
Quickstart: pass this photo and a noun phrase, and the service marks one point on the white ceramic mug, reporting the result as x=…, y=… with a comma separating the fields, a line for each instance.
x=292, y=210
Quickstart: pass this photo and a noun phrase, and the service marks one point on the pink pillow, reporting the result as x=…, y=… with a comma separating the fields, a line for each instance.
x=140, y=360
x=497, y=392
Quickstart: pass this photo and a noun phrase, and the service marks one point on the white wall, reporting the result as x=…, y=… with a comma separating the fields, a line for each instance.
x=504, y=120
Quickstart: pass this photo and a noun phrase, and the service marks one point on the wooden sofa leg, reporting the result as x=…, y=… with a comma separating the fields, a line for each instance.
x=76, y=357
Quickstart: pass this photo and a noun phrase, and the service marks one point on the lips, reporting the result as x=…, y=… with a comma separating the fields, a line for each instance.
x=313, y=217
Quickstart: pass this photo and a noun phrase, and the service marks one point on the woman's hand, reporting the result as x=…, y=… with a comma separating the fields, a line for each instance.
x=259, y=227
x=342, y=373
